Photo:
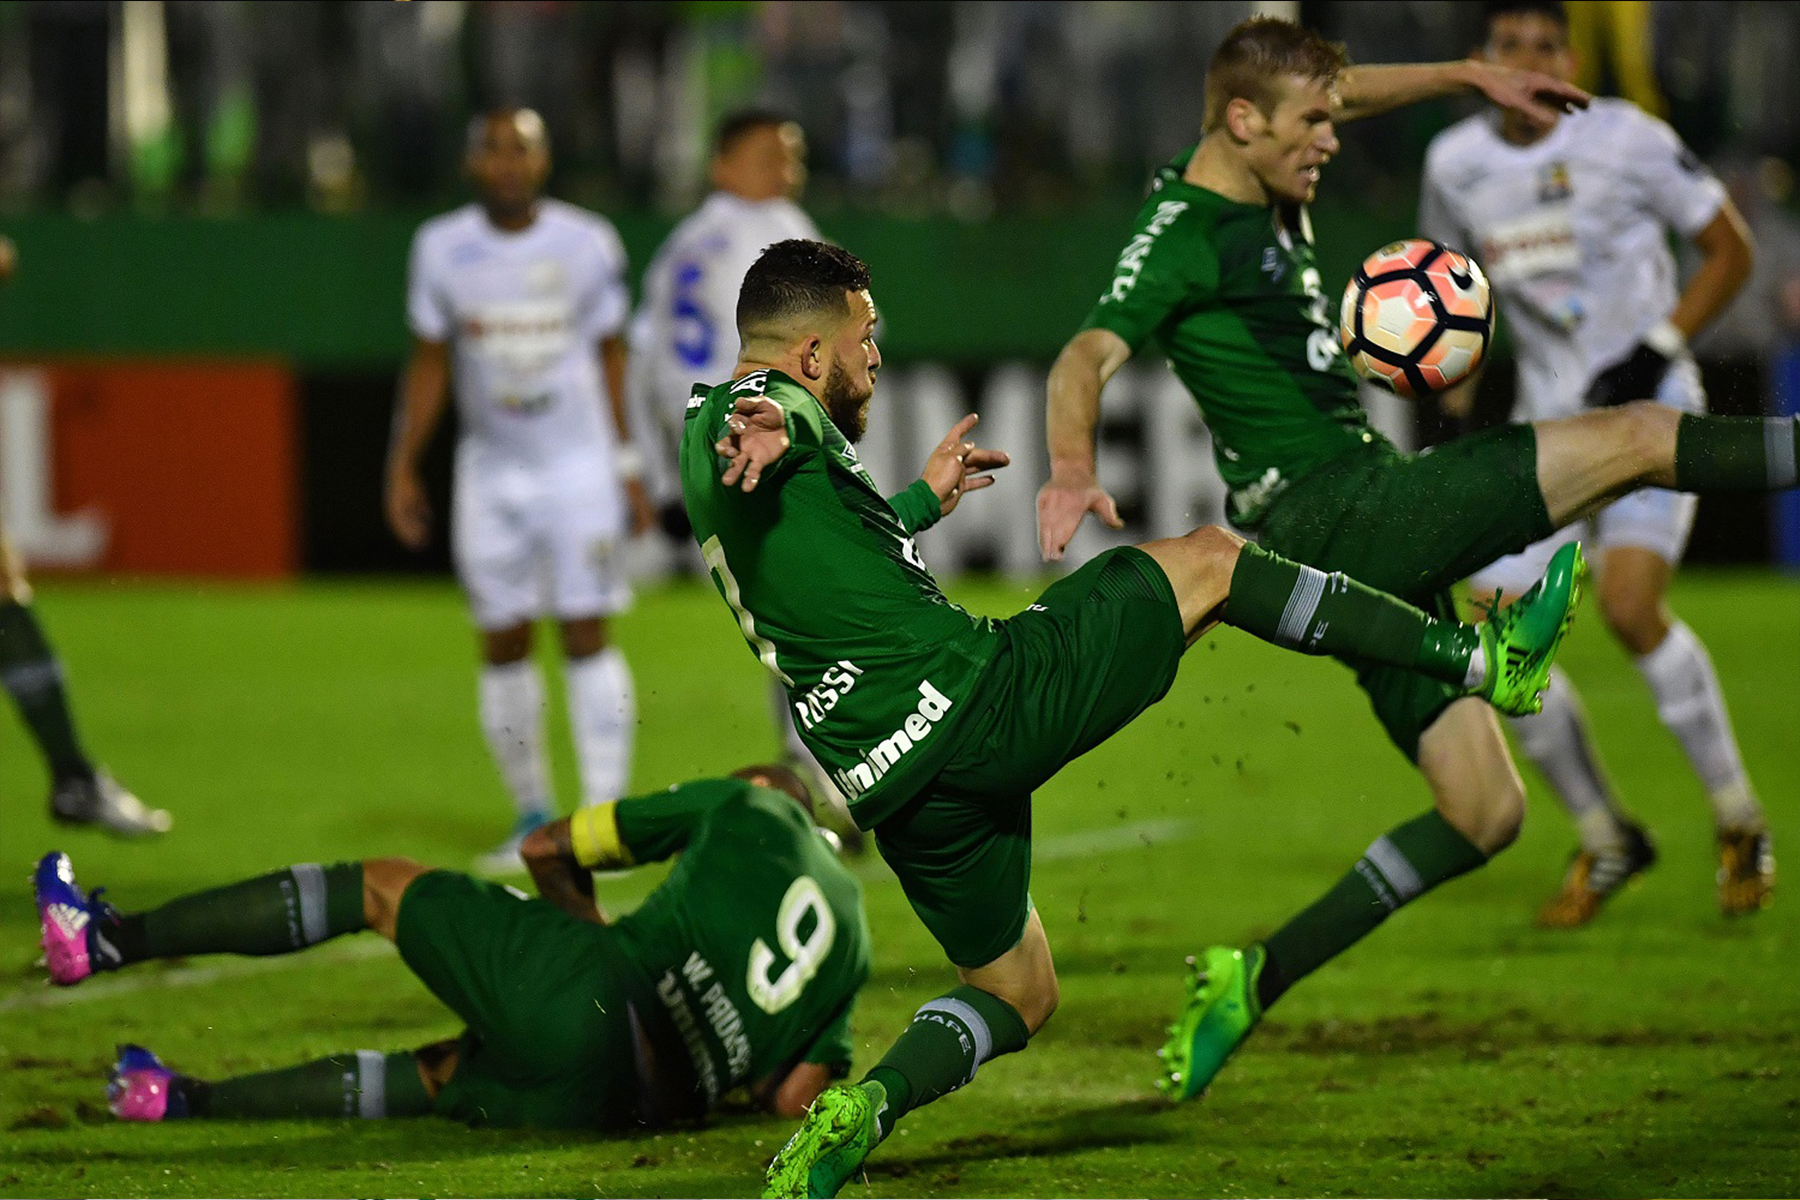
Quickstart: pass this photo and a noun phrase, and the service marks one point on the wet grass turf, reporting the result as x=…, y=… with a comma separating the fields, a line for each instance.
x=1458, y=1052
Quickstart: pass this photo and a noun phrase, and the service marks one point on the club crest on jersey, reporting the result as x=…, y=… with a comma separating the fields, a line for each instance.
x=1553, y=182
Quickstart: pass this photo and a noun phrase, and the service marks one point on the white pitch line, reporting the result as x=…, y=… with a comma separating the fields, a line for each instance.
x=1059, y=848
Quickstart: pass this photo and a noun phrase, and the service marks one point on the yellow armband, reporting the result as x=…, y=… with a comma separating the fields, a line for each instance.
x=594, y=836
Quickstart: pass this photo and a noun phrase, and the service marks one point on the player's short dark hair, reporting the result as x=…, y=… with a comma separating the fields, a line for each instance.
x=782, y=779
x=798, y=278
x=736, y=125
x=1261, y=51
x=1554, y=9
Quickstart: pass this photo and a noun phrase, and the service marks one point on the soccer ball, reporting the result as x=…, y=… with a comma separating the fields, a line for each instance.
x=1417, y=317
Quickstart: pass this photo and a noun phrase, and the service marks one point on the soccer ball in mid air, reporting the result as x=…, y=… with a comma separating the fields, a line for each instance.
x=1417, y=317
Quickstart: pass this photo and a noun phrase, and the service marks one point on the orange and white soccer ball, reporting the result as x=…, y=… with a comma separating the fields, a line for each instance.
x=1417, y=317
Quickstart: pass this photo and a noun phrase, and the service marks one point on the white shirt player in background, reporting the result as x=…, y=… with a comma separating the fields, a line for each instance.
x=522, y=300
x=1571, y=225
x=685, y=330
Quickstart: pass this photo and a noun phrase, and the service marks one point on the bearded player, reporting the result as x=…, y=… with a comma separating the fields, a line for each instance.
x=939, y=725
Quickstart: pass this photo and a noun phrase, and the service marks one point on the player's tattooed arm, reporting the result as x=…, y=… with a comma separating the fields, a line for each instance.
x=549, y=855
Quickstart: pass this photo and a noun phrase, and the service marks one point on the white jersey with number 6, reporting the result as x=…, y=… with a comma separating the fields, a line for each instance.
x=685, y=330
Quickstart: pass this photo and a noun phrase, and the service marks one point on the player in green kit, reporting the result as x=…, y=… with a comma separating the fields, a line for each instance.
x=737, y=972
x=1220, y=273
x=938, y=725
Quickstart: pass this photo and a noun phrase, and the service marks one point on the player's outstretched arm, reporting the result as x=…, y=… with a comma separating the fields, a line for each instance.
x=549, y=854
x=423, y=391
x=958, y=466
x=756, y=436
x=1369, y=90
x=1071, y=415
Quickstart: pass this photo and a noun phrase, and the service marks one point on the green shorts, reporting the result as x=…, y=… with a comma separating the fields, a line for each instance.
x=548, y=1042
x=1413, y=525
x=1097, y=649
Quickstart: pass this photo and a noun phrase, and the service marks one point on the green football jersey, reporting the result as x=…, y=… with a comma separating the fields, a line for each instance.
x=1232, y=294
x=755, y=945
x=830, y=592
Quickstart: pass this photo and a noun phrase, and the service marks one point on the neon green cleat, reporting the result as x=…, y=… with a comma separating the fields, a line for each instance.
x=1521, y=640
x=841, y=1128
x=1221, y=1011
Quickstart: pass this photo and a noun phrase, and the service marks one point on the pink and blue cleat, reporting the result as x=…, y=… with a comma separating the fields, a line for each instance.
x=140, y=1088
x=71, y=920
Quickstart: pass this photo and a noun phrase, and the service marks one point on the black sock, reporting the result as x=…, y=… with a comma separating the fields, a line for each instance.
x=30, y=671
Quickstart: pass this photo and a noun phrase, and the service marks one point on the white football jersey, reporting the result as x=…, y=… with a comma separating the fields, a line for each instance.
x=1572, y=231
x=524, y=312
x=685, y=331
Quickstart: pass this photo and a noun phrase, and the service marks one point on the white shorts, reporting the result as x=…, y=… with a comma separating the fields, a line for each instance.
x=535, y=541
x=1653, y=519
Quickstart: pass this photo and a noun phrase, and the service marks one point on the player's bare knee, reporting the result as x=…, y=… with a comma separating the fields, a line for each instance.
x=502, y=646
x=1216, y=546
x=1490, y=816
x=583, y=637
x=1649, y=432
x=385, y=880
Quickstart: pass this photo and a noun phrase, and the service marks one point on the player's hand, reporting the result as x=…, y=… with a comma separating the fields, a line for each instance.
x=1537, y=97
x=958, y=466
x=1061, y=505
x=1634, y=377
x=408, y=511
x=643, y=513
x=755, y=437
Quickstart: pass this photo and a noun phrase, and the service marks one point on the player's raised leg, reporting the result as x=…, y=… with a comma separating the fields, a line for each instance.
x=996, y=1011
x=1217, y=576
x=1585, y=461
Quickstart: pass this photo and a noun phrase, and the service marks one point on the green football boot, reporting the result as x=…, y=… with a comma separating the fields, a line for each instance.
x=841, y=1128
x=1220, y=1012
x=1521, y=640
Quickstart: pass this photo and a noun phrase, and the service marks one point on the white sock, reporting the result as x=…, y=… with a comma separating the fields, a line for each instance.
x=512, y=719
x=1558, y=742
x=784, y=721
x=603, y=716
x=1681, y=677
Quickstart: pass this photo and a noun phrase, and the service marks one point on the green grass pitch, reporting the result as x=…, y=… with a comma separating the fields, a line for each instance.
x=1458, y=1052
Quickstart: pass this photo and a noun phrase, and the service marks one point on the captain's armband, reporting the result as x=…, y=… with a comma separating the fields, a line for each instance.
x=594, y=836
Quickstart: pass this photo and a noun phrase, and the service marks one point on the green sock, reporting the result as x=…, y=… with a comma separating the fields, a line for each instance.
x=363, y=1083
x=948, y=1040
x=1735, y=454
x=1307, y=610
x=30, y=672
x=272, y=914
x=1403, y=864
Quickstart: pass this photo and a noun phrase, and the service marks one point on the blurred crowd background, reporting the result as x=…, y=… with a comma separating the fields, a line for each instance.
x=912, y=105
x=233, y=180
